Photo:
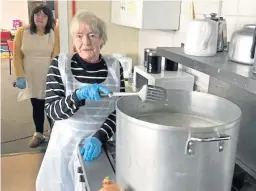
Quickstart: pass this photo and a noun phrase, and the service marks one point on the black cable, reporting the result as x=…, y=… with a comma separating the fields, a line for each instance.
x=21, y=138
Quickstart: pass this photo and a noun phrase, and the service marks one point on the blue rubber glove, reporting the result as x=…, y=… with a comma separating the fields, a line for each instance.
x=91, y=92
x=91, y=148
x=20, y=83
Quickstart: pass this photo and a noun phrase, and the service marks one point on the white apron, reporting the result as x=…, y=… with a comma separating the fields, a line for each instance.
x=37, y=52
x=58, y=171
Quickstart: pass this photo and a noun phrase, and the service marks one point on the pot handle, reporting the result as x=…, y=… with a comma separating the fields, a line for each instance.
x=190, y=150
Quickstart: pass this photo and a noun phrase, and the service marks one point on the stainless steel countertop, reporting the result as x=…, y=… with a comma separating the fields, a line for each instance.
x=96, y=171
x=217, y=66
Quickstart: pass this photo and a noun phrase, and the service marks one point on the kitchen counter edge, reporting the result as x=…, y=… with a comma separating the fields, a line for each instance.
x=217, y=66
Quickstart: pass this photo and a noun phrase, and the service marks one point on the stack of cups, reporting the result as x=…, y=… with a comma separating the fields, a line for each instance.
x=151, y=61
x=154, y=63
x=146, y=52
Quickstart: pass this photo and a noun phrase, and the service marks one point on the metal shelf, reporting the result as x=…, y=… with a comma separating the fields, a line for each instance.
x=218, y=66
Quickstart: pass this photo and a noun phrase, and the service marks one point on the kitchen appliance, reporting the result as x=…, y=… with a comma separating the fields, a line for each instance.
x=241, y=44
x=222, y=32
x=171, y=65
x=147, y=93
x=126, y=63
x=188, y=143
x=146, y=52
x=167, y=79
x=201, y=38
x=153, y=64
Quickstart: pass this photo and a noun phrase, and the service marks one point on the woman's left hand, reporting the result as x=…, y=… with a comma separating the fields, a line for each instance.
x=91, y=148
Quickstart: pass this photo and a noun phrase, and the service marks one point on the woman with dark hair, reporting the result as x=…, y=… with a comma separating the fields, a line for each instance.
x=34, y=47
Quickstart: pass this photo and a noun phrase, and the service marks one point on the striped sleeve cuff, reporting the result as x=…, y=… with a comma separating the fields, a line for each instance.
x=101, y=135
x=107, y=130
x=78, y=103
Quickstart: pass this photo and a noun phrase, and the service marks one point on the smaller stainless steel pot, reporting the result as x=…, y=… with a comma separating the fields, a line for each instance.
x=241, y=45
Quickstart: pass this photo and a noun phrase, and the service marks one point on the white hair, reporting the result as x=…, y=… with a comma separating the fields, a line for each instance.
x=96, y=24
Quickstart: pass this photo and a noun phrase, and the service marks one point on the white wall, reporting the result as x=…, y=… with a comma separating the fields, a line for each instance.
x=13, y=9
x=120, y=39
x=236, y=12
x=63, y=26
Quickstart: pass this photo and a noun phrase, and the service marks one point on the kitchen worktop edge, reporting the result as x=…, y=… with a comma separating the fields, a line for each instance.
x=217, y=66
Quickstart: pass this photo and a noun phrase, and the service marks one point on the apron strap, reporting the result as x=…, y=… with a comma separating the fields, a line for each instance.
x=114, y=68
x=64, y=65
x=52, y=37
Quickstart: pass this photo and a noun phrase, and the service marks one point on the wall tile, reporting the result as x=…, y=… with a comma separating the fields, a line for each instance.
x=185, y=7
x=231, y=25
x=152, y=39
x=201, y=16
x=231, y=20
x=184, y=20
x=247, y=7
x=241, y=21
x=206, y=7
x=230, y=7
x=178, y=38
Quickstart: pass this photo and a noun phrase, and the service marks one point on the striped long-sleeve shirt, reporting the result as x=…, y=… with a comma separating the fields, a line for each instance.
x=58, y=106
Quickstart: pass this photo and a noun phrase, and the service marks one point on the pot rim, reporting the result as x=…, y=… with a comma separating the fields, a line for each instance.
x=156, y=126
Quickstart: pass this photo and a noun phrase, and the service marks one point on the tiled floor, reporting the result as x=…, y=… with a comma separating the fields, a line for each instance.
x=19, y=172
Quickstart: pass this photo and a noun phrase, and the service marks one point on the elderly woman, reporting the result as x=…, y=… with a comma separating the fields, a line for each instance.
x=73, y=101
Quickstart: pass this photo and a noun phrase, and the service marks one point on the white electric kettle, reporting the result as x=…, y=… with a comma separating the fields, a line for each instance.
x=201, y=40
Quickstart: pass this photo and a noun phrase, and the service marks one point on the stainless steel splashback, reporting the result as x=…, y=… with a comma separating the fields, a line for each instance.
x=246, y=149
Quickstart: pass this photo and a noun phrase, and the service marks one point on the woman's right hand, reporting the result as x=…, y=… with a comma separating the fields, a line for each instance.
x=91, y=92
x=20, y=83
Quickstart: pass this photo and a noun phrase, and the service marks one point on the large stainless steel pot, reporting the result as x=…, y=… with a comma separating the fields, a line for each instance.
x=241, y=44
x=192, y=145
